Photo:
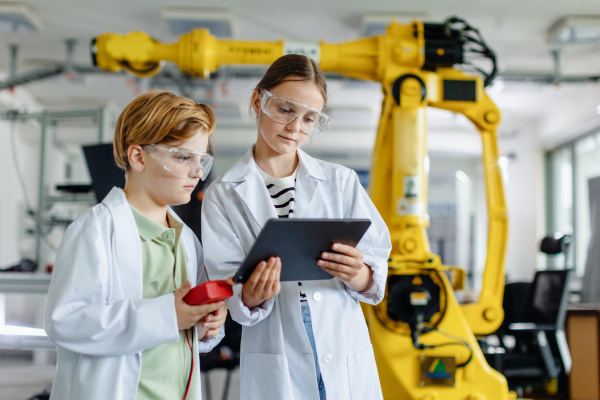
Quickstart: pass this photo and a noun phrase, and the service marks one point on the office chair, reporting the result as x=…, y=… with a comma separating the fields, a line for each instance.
x=535, y=317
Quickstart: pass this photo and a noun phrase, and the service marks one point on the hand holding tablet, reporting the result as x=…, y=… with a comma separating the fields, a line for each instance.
x=263, y=284
x=346, y=264
x=299, y=244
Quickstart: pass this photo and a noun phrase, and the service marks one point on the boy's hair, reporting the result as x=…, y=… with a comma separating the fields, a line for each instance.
x=159, y=117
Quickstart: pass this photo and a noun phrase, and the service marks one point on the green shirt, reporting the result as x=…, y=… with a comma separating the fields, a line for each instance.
x=166, y=368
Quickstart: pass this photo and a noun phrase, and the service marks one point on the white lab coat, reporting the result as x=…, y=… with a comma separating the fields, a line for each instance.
x=95, y=313
x=276, y=358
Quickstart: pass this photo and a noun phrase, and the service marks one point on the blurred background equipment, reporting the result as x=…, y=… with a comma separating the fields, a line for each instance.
x=104, y=171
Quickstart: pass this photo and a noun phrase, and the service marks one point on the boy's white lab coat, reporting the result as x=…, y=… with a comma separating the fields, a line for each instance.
x=95, y=313
x=277, y=361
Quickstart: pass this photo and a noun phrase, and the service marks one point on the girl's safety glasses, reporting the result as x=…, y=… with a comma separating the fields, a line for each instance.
x=182, y=163
x=284, y=111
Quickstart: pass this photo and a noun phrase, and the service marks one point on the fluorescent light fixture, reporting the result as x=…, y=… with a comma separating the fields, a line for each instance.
x=185, y=19
x=575, y=29
x=19, y=18
x=376, y=24
x=350, y=113
x=228, y=111
x=598, y=109
x=461, y=176
x=21, y=331
x=503, y=164
x=495, y=88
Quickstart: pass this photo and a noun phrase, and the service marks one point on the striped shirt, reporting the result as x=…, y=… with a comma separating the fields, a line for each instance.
x=282, y=193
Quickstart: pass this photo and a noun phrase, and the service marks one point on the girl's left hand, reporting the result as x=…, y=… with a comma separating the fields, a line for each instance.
x=348, y=267
x=213, y=322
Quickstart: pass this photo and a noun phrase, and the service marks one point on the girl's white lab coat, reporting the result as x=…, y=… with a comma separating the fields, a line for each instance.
x=95, y=313
x=277, y=361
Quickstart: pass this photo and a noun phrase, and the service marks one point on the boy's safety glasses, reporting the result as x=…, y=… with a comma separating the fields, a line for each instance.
x=284, y=111
x=182, y=163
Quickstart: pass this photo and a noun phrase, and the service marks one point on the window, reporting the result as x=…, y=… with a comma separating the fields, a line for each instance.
x=561, y=199
x=570, y=167
x=587, y=156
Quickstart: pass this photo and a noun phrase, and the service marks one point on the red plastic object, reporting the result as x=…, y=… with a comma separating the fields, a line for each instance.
x=209, y=292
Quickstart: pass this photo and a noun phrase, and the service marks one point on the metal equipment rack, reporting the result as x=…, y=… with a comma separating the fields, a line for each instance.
x=39, y=282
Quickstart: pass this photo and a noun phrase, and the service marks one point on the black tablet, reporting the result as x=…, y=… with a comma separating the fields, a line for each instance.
x=299, y=243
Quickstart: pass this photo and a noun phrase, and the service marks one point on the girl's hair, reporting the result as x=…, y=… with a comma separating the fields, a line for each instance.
x=294, y=67
x=159, y=117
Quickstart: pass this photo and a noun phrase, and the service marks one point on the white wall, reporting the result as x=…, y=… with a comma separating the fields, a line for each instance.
x=524, y=193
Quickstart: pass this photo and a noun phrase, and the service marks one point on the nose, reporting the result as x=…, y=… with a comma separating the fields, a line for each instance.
x=294, y=125
x=197, y=173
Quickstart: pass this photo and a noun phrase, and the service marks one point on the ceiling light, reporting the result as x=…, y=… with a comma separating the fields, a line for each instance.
x=19, y=18
x=575, y=30
x=185, y=19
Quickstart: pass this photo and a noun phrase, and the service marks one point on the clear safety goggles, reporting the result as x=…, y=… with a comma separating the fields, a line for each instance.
x=182, y=163
x=284, y=111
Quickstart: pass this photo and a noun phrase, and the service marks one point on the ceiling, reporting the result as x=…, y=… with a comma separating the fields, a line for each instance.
x=515, y=29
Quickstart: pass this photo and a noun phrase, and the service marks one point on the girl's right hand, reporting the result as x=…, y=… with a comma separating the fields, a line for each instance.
x=188, y=316
x=263, y=283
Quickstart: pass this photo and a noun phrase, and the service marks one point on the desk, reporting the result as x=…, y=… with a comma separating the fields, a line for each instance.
x=23, y=282
x=583, y=336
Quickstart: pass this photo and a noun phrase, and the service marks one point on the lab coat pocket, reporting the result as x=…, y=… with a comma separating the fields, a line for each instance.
x=363, y=376
x=265, y=377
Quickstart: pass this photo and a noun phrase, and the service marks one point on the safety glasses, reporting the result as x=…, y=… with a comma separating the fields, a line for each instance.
x=284, y=111
x=182, y=163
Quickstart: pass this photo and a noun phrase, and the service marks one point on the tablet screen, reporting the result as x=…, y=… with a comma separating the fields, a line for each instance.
x=299, y=243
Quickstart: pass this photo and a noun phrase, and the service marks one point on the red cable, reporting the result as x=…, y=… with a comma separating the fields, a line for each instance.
x=192, y=370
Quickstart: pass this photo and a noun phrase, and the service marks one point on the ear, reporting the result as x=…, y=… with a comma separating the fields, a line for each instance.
x=135, y=157
x=255, y=102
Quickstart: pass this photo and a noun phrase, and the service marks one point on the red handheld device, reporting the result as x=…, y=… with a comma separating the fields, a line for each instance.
x=209, y=292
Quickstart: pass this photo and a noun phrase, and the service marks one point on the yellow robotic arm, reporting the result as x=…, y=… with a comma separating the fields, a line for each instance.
x=423, y=339
x=197, y=53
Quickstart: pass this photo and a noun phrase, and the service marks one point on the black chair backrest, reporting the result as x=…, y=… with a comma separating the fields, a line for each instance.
x=547, y=302
x=104, y=171
x=515, y=297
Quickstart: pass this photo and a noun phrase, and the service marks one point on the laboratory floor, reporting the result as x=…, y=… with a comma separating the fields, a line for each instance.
x=21, y=379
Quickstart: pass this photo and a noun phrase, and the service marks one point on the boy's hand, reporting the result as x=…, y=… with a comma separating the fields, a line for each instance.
x=211, y=325
x=263, y=283
x=348, y=267
x=188, y=316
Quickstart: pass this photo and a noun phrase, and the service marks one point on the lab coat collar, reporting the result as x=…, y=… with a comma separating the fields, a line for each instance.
x=125, y=231
x=253, y=193
x=309, y=176
x=308, y=167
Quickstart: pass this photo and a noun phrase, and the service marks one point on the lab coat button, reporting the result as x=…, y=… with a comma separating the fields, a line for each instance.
x=317, y=296
x=327, y=358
